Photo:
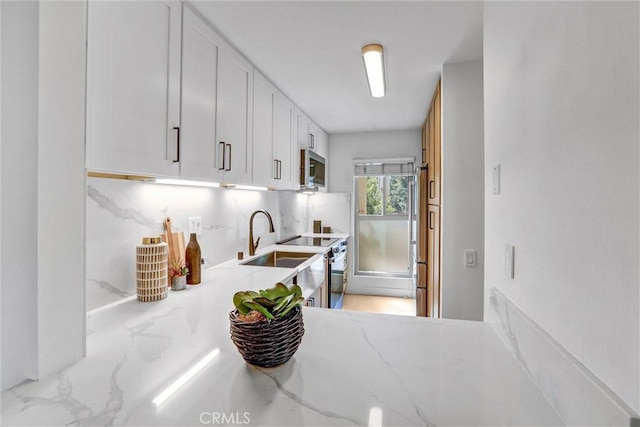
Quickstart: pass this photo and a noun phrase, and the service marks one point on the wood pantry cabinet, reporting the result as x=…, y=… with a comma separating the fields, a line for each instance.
x=133, y=86
x=433, y=261
x=435, y=148
x=273, y=135
x=428, y=297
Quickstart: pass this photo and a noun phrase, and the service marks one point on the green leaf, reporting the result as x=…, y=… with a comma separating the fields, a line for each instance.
x=290, y=306
x=296, y=291
x=257, y=307
x=239, y=299
x=266, y=302
x=282, y=303
x=279, y=290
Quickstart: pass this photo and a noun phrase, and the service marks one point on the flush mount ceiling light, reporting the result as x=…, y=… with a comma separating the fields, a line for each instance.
x=374, y=67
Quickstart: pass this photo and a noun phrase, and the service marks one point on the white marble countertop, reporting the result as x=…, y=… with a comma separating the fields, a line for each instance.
x=351, y=369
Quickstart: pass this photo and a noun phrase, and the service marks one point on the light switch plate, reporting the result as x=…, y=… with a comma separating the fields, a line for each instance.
x=195, y=224
x=470, y=258
x=509, y=254
x=496, y=179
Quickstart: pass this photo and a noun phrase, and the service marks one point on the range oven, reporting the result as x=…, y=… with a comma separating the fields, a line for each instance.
x=335, y=266
x=338, y=281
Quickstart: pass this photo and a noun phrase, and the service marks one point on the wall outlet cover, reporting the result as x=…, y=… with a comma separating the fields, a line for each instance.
x=470, y=258
x=509, y=258
x=195, y=224
x=496, y=179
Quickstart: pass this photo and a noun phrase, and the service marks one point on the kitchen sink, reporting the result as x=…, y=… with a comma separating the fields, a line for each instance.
x=280, y=259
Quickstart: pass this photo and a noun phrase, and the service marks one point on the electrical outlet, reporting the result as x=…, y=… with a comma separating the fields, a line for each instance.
x=470, y=258
x=195, y=224
x=509, y=254
x=496, y=179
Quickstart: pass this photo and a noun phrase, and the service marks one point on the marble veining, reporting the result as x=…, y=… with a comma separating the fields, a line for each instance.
x=408, y=371
x=308, y=405
x=121, y=212
x=579, y=397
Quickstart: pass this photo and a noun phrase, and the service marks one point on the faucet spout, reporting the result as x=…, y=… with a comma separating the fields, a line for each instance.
x=253, y=246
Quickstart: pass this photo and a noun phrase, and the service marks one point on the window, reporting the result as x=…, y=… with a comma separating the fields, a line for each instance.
x=383, y=212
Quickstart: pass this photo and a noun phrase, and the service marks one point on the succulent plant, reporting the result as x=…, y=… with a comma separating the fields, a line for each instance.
x=271, y=303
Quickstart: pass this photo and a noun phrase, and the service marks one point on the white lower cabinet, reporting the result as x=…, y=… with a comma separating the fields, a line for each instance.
x=133, y=86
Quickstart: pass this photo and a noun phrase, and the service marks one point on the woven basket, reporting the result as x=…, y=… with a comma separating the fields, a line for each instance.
x=267, y=343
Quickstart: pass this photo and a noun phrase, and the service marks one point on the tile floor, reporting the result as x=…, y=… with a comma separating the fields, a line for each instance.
x=378, y=304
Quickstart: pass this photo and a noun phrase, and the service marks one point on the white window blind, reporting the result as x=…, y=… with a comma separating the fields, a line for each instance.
x=378, y=168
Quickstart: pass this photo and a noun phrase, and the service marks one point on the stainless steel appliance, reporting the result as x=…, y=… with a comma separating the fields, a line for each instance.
x=338, y=281
x=335, y=268
x=312, y=169
x=307, y=241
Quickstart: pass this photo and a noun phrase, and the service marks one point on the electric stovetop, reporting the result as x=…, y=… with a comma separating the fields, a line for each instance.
x=307, y=241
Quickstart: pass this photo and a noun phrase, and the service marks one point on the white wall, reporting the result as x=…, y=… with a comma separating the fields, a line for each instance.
x=43, y=51
x=462, y=189
x=19, y=191
x=562, y=119
x=343, y=149
x=61, y=187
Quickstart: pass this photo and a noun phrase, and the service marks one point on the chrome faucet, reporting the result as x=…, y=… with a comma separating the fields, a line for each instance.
x=254, y=246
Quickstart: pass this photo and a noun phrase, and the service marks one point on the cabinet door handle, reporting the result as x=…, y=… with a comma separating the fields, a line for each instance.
x=279, y=169
x=312, y=141
x=431, y=214
x=275, y=168
x=229, y=145
x=424, y=157
x=224, y=153
x=177, y=144
x=431, y=189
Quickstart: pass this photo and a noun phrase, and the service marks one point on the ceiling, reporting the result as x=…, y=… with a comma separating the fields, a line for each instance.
x=311, y=51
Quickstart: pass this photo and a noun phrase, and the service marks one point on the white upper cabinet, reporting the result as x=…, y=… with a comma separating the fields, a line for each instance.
x=133, y=86
x=306, y=137
x=285, y=142
x=322, y=143
x=198, y=145
x=234, y=116
x=273, y=137
x=264, y=164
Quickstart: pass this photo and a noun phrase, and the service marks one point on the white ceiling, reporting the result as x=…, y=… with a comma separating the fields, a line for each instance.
x=311, y=51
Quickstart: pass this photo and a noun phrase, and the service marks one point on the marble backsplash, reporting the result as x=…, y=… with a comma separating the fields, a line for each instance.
x=333, y=209
x=120, y=212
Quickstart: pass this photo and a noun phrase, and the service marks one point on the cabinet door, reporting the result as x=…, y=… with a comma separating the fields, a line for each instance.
x=437, y=141
x=322, y=143
x=284, y=141
x=200, y=49
x=434, y=149
x=425, y=145
x=305, y=137
x=234, y=116
x=133, y=86
x=433, y=261
x=264, y=165
x=431, y=159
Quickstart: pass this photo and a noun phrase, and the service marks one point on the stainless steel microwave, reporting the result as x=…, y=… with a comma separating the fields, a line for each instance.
x=312, y=169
